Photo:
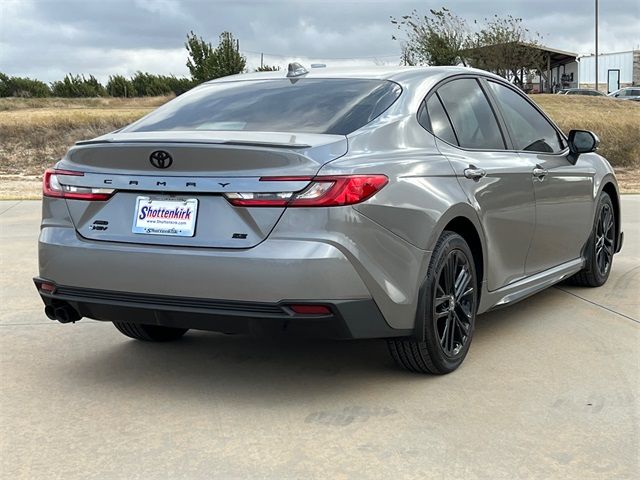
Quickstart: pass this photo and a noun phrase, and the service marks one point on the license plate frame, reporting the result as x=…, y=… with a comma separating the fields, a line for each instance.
x=172, y=217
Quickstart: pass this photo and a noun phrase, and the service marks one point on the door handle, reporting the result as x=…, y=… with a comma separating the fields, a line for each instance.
x=540, y=172
x=474, y=173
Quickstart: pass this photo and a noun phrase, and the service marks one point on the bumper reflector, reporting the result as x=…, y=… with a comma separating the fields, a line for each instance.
x=310, y=309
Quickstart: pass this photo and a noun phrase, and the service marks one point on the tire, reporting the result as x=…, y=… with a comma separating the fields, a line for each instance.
x=600, y=247
x=150, y=333
x=446, y=316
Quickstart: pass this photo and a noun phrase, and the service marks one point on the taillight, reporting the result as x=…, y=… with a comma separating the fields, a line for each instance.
x=323, y=191
x=52, y=186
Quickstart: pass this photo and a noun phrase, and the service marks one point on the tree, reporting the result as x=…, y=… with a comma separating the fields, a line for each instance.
x=267, y=68
x=206, y=63
x=433, y=39
x=200, y=63
x=227, y=58
x=506, y=47
x=406, y=57
x=502, y=45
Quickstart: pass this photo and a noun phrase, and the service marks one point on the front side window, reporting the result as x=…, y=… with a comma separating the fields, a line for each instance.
x=530, y=130
x=473, y=120
x=331, y=106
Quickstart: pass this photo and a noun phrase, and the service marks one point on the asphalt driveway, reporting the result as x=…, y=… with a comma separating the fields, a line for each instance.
x=550, y=389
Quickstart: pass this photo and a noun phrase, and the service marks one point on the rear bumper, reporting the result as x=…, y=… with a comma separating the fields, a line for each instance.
x=211, y=289
x=270, y=272
x=348, y=318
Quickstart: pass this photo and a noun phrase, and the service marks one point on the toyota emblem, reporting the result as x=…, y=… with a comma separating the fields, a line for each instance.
x=161, y=159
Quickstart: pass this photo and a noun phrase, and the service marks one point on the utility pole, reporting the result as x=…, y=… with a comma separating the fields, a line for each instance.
x=261, y=60
x=597, y=44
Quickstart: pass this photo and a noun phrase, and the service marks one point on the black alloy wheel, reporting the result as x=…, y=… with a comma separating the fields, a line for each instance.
x=605, y=239
x=599, y=251
x=454, y=303
x=446, y=315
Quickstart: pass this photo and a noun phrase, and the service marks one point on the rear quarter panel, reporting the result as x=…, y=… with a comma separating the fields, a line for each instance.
x=403, y=221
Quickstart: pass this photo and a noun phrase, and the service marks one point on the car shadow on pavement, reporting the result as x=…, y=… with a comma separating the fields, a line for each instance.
x=225, y=366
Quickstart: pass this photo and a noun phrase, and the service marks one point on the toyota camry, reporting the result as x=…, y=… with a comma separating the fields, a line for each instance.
x=394, y=203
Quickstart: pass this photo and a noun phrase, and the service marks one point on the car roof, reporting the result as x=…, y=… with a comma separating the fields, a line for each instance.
x=400, y=74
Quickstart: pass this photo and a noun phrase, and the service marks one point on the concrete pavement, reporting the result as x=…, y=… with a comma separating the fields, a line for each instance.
x=550, y=389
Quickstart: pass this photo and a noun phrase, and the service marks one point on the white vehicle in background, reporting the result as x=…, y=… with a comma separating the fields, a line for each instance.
x=627, y=93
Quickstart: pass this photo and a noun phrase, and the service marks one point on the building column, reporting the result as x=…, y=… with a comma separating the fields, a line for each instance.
x=549, y=87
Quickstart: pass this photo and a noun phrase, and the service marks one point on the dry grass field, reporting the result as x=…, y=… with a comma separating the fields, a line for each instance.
x=10, y=104
x=35, y=133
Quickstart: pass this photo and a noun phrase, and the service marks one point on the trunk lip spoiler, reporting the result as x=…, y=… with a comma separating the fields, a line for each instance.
x=292, y=146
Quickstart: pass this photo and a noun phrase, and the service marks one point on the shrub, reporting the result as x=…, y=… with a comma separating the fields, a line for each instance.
x=22, y=87
x=78, y=86
x=150, y=85
x=179, y=85
x=119, y=86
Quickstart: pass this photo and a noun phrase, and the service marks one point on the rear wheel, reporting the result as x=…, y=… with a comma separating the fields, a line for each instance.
x=448, y=316
x=600, y=248
x=150, y=333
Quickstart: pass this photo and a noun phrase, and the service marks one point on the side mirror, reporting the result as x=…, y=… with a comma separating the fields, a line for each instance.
x=581, y=141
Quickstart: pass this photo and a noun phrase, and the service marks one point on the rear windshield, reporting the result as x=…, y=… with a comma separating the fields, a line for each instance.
x=333, y=106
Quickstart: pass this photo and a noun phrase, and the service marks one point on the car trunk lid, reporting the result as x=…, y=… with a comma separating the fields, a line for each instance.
x=199, y=169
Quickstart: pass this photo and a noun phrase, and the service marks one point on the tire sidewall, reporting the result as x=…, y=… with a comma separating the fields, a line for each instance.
x=452, y=242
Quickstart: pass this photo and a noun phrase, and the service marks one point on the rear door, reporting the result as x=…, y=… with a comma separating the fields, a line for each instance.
x=563, y=191
x=496, y=181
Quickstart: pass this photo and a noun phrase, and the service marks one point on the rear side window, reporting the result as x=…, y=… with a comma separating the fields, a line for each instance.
x=473, y=120
x=333, y=106
x=437, y=121
x=530, y=130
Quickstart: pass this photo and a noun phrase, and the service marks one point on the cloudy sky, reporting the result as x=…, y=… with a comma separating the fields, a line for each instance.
x=47, y=38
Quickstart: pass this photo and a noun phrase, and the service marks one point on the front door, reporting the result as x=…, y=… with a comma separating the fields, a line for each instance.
x=562, y=190
x=564, y=210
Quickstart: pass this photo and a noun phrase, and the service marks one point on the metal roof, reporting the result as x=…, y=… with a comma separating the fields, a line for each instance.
x=556, y=57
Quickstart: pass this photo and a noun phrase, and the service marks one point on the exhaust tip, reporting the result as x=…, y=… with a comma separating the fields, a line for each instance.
x=50, y=312
x=65, y=314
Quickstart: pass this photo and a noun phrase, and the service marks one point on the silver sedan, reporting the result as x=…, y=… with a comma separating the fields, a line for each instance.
x=393, y=203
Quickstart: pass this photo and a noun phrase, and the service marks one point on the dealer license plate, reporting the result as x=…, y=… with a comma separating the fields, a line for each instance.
x=165, y=217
